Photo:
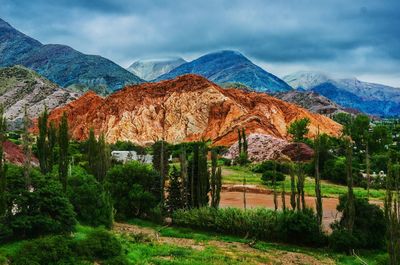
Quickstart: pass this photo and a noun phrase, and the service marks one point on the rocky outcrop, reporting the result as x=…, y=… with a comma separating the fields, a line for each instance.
x=188, y=108
x=20, y=87
x=311, y=101
x=266, y=147
x=14, y=154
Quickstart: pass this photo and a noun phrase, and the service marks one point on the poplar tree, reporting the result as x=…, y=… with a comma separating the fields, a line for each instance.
x=274, y=186
x=215, y=180
x=184, y=174
x=349, y=211
x=160, y=163
x=63, y=142
x=3, y=168
x=175, y=200
x=52, y=142
x=27, y=148
x=103, y=159
x=239, y=141
x=292, y=187
x=91, y=144
x=392, y=214
x=41, y=141
x=318, y=201
x=245, y=145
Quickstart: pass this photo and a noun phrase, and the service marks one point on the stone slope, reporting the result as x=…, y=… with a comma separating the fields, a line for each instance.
x=187, y=108
x=20, y=87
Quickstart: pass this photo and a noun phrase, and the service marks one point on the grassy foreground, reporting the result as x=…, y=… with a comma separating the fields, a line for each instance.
x=147, y=243
x=235, y=175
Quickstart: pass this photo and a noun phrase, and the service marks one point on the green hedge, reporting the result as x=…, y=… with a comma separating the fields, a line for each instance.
x=288, y=227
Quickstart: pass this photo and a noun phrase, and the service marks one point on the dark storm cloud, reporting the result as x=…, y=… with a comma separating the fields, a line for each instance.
x=358, y=37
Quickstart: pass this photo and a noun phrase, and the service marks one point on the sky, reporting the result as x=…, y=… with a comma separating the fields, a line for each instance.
x=346, y=38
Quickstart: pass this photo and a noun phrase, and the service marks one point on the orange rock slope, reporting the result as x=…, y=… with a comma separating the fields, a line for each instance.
x=187, y=108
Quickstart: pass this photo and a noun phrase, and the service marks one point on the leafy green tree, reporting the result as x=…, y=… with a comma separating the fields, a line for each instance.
x=63, y=142
x=98, y=156
x=175, y=190
x=346, y=120
x=380, y=139
x=369, y=224
x=134, y=189
x=43, y=209
x=359, y=130
x=91, y=202
x=299, y=129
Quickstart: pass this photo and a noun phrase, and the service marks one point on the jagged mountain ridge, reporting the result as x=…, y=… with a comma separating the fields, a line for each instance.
x=150, y=69
x=20, y=87
x=312, y=101
x=370, y=98
x=190, y=107
x=230, y=67
x=61, y=64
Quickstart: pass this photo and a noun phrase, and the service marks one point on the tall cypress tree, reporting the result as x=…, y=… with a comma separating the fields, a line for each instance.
x=91, y=145
x=160, y=163
x=27, y=148
x=3, y=169
x=41, y=141
x=292, y=187
x=318, y=202
x=239, y=141
x=184, y=174
x=349, y=211
x=63, y=142
x=52, y=142
x=175, y=200
x=103, y=159
x=245, y=145
x=215, y=180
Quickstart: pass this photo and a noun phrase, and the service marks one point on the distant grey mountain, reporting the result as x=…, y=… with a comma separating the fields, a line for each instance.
x=370, y=98
x=230, y=67
x=62, y=64
x=150, y=69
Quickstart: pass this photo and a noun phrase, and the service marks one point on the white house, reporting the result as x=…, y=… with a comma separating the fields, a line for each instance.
x=124, y=156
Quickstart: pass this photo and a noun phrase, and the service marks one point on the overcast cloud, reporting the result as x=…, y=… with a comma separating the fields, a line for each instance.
x=358, y=38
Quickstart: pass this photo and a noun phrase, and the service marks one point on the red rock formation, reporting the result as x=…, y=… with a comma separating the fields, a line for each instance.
x=187, y=108
x=14, y=154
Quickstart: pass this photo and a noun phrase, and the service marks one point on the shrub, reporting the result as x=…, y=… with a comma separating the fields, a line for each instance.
x=49, y=250
x=268, y=176
x=225, y=161
x=99, y=244
x=134, y=188
x=369, y=224
x=342, y=241
x=44, y=209
x=91, y=203
x=288, y=226
x=241, y=160
x=271, y=165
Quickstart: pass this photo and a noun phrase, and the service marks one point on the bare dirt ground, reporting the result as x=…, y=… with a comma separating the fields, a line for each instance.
x=258, y=197
x=232, y=196
x=230, y=249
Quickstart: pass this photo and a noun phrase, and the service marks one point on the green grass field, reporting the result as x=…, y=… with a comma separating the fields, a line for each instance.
x=183, y=246
x=235, y=175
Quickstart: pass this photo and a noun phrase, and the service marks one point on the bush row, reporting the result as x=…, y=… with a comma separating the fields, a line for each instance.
x=288, y=226
x=99, y=245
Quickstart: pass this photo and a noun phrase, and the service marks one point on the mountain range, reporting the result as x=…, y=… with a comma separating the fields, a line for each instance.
x=374, y=99
x=61, y=64
x=149, y=112
x=20, y=87
x=230, y=67
x=152, y=68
